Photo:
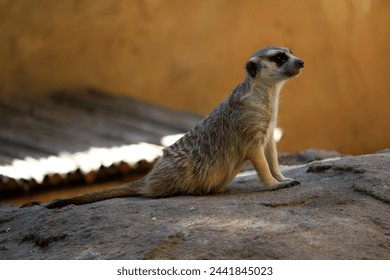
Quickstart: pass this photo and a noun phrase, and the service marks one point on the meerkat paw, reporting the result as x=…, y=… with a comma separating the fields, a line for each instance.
x=286, y=183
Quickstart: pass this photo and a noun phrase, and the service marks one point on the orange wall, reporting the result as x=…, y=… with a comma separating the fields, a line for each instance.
x=190, y=54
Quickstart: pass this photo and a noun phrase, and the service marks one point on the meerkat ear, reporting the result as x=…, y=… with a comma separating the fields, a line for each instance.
x=252, y=67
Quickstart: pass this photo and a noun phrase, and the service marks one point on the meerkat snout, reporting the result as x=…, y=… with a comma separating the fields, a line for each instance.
x=296, y=69
x=299, y=63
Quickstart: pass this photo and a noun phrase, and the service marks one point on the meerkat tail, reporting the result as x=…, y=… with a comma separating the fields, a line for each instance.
x=130, y=189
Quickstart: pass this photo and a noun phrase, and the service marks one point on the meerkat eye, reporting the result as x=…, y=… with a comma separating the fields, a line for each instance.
x=279, y=58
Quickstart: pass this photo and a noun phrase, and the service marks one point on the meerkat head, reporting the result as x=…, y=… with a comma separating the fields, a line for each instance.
x=273, y=64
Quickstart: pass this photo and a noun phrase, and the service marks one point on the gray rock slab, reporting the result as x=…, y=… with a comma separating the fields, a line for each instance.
x=341, y=210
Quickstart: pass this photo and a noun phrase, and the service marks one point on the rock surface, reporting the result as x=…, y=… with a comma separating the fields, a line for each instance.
x=341, y=210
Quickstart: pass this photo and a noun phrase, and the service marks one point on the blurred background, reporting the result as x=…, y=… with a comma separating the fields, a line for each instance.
x=188, y=55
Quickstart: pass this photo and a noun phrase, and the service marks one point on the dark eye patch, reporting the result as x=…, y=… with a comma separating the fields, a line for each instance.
x=279, y=58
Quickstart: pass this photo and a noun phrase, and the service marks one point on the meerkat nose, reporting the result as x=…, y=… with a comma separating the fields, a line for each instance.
x=299, y=63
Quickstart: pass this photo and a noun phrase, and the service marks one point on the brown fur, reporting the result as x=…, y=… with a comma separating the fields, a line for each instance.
x=211, y=154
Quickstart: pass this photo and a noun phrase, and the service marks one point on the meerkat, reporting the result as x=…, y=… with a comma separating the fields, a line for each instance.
x=211, y=154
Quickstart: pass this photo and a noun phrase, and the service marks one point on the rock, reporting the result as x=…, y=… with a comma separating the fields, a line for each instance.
x=341, y=210
x=307, y=156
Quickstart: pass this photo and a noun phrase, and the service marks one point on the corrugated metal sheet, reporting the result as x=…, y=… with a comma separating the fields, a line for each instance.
x=71, y=138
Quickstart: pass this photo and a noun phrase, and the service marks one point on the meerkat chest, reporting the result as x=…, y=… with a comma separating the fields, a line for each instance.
x=274, y=112
x=264, y=105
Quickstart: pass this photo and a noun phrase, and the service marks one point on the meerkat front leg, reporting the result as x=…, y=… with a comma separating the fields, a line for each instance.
x=272, y=158
x=259, y=161
x=271, y=155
